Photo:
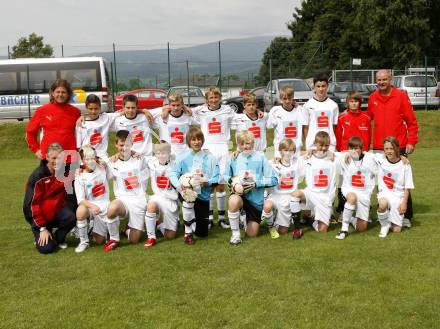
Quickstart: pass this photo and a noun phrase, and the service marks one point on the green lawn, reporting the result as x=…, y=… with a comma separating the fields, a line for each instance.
x=317, y=282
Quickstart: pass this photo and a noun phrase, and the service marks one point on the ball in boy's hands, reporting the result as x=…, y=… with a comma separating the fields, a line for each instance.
x=185, y=180
x=237, y=186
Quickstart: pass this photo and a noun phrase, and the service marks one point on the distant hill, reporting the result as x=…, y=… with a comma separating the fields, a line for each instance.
x=239, y=56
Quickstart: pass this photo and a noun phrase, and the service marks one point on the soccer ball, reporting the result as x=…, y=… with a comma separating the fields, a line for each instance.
x=185, y=180
x=237, y=186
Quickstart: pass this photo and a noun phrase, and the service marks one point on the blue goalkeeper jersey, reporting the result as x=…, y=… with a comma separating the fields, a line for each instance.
x=200, y=162
x=259, y=168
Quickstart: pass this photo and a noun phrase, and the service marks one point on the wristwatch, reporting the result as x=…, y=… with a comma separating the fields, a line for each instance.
x=42, y=229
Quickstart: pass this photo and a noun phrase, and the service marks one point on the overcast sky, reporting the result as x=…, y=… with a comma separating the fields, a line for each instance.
x=135, y=22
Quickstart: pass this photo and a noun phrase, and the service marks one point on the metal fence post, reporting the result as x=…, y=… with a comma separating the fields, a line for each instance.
x=9, y=53
x=219, y=66
x=426, y=83
x=169, y=66
x=62, y=50
x=114, y=61
x=28, y=92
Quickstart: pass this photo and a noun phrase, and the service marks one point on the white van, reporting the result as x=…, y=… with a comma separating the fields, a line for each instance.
x=420, y=89
x=25, y=83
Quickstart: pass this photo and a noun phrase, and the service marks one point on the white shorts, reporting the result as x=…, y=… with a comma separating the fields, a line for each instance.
x=282, y=206
x=320, y=204
x=135, y=209
x=221, y=153
x=100, y=226
x=362, y=204
x=393, y=203
x=169, y=209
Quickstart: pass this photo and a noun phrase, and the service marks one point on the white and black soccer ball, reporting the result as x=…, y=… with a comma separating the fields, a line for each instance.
x=185, y=180
x=237, y=186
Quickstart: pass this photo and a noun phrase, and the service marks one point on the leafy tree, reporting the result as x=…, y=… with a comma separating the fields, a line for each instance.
x=32, y=46
x=134, y=84
x=326, y=34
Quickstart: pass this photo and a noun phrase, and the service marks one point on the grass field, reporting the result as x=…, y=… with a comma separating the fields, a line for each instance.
x=317, y=282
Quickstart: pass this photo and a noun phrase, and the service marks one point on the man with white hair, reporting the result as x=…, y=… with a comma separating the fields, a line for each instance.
x=393, y=115
x=45, y=203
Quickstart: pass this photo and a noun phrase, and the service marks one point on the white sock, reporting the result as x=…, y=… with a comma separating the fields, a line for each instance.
x=83, y=228
x=150, y=224
x=295, y=204
x=385, y=224
x=221, y=204
x=189, y=217
x=346, y=216
x=160, y=227
x=211, y=207
x=113, y=228
x=315, y=226
x=234, y=222
x=268, y=218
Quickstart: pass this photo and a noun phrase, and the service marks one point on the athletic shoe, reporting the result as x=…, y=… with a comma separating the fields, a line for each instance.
x=150, y=242
x=342, y=235
x=62, y=245
x=81, y=247
x=210, y=224
x=406, y=222
x=274, y=233
x=235, y=241
x=297, y=233
x=384, y=231
x=188, y=239
x=224, y=224
x=110, y=245
x=333, y=220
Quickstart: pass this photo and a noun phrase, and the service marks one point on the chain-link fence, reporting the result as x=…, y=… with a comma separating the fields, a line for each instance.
x=233, y=65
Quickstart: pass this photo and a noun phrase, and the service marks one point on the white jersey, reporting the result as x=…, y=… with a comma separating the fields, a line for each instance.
x=287, y=124
x=140, y=131
x=215, y=124
x=93, y=187
x=320, y=116
x=95, y=133
x=257, y=127
x=287, y=177
x=130, y=177
x=358, y=175
x=174, y=131
x=160, y=181
x=393, y=178
x=320, y=175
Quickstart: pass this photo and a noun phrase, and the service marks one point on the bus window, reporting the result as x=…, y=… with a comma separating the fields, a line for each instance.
x=39, y=81
x=84, y=79
x=8, y=83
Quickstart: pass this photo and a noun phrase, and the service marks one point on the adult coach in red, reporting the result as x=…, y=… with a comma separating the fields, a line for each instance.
x=393, y=115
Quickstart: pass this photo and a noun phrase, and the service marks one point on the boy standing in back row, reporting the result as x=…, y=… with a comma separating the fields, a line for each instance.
x=320, y=113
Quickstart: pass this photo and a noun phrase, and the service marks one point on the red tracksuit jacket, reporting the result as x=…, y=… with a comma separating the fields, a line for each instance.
x=393, y=115
x=352, y=124
x=57, y=122
x=45, y=196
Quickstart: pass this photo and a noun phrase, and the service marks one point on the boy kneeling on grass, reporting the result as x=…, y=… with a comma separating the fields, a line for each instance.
x=130, y=175
x=92, y=192
x=320, y=176
x=249, y=173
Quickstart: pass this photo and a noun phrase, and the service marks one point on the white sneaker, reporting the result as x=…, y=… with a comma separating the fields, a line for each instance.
x=342, y=235
x=223, y=224
x=210, y=224
x=384, y=231
x=406, y=223
x=235, y=241
x=81, y=247
x=62, y=245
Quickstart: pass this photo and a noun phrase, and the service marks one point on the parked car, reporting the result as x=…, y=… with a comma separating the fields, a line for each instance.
x=302, y=91
x=339, y=90
x=418, y=91
x=147, y=98
x=236, y=103
x=192, y=96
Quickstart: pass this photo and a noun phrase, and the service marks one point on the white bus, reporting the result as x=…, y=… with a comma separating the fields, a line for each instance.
x=25, y=83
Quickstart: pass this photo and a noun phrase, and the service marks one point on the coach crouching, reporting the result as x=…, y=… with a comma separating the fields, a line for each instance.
x=45, y=204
